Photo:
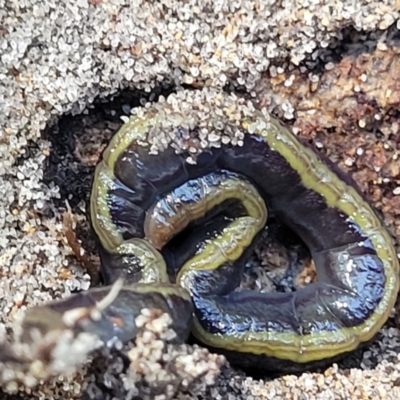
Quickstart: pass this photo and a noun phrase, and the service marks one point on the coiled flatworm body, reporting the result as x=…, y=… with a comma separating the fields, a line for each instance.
x=177, y=164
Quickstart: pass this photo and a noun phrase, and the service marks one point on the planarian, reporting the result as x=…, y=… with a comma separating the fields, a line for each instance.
x=175, y=166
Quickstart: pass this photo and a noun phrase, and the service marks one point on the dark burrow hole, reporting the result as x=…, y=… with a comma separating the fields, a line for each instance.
x=77, y=140
x=76, y=143
x=350, y=42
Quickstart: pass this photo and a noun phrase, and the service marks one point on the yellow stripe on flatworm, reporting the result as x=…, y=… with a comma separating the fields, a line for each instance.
x=161, y=224
x=133, y=131
x=106, y=230
x=228, y=246
x=154, y=267
x=319, y=178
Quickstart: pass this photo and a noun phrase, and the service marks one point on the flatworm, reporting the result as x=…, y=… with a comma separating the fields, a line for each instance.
x=175, y=161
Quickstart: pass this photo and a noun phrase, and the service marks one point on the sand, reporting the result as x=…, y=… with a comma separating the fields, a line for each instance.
x=56, y=59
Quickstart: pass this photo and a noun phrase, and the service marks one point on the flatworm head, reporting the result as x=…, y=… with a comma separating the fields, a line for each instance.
x=168, y=166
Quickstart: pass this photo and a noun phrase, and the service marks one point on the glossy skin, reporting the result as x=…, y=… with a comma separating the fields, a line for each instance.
x=356, y=264
x=116, y=320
